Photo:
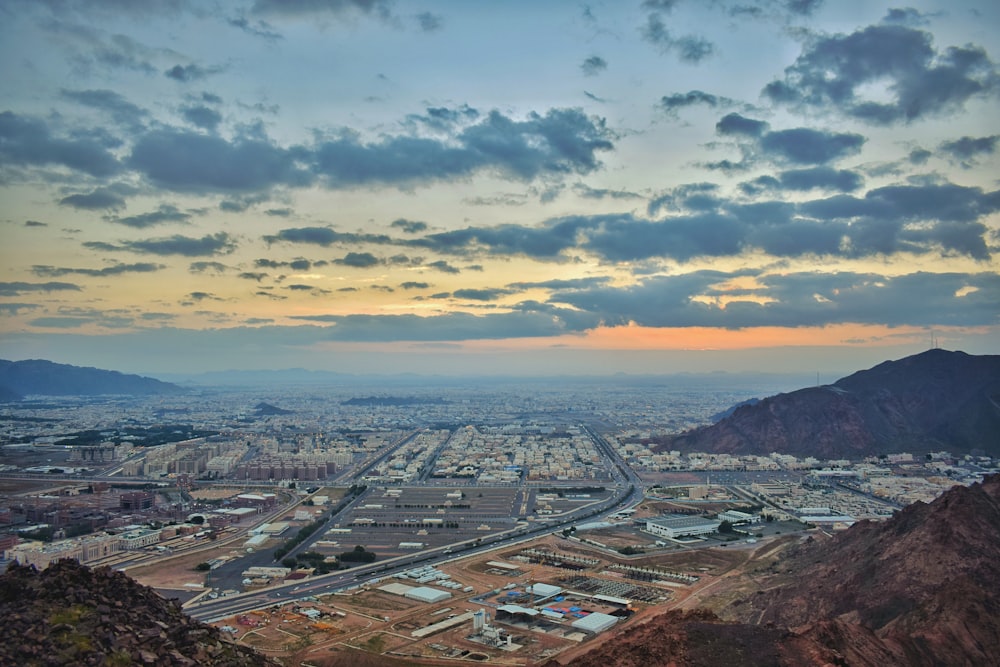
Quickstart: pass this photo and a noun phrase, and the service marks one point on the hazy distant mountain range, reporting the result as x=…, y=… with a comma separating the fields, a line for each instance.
x=936, y=400
x=36, y=376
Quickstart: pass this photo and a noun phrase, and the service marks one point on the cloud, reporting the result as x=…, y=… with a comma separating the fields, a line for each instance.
x=409, y=226
x=188, y=73
x=821, y=178
x=101, y=199
x=122, y=111
x=443, y=266
x=189, y=162
x=593, y=66
x=807, y=146
x=360, y=260
x=203, y=267
x=17, y=308
x=164, y=214
x=705, y=299
x=803, y=7
x=35, y=223
x=967, y=149
x=472, y=294
x=563, y=141
x=835, y=71
x=735, y=124
x=261, y=29
x=323, y=236
x=588, y=192
x=18, y=288
x=317, y=8
x=186, y=246
x=689, y=48
x=411, y=284
x=113, y=270
x=202, y=116
x=672, y=103
x=251, y=275
x=429, y=22
x=28, y=141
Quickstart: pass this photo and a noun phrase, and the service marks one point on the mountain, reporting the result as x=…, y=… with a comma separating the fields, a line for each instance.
x=936, y=400
x=36, y=376
x=919, y=590
x=68, y=614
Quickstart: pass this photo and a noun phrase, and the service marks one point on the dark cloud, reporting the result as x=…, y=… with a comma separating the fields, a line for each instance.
x=187, y=73
x=186, y=161
x=563, y=141
x=921, y=81
x=919, y=156
x=689, y=48
x=317, y=8
x=672, y=103
x=35, y=223
x=18, y=288
x=203, y=267
x=261, y=29
x=588, y=192
x=57, y=322
x=806, y=146
x=113, y=270
x=411, y=284
x=473, y=294
x=324, y=236
x=660, y=5
x=279, y=212
x=164, y=214
x=823, y=178
x=904, y=16
x=795, y=300
x=360, y=260
x=443, y=266
x=409, y=226
x=123, y=112
x=202, y=116
x=250, y=275
x=593, y=66
x=202, y=296
x=967, y=149
x=17, y=308
x=101, y=199
x=28, y=142
x=429, y=22
x=299, y=287
x=570, y=284
x=186, y=246
x=735, y=124
x=803, y=7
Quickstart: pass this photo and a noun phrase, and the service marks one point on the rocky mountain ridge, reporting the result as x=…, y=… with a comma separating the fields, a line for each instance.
x=936, y=400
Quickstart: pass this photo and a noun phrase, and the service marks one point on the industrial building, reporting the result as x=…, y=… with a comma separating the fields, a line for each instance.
x=673, y=526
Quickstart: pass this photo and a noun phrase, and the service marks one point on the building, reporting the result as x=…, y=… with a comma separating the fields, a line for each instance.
x=737, y=518
x=595, y=623
x=139, y=538
x=673, y=526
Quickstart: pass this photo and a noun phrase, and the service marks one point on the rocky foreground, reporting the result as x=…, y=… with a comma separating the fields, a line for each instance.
x=68, y=614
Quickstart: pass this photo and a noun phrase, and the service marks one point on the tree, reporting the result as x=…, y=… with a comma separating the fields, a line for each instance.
x=726, y=527
x=203, y=566
x=290, y=562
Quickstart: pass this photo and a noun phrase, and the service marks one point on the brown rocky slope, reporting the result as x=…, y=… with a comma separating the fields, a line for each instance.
x=931, y=401
x=922, y=589
x=68, y=614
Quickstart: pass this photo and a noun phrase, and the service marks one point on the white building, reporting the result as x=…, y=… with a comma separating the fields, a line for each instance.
x=674, y=526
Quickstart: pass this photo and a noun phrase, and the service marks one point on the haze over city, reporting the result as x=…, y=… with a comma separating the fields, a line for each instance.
x=516, y=188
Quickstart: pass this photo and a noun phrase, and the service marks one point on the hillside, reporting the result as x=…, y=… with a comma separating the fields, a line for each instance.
x=36, y=376
x=916, y=591
x=68, y=614
x=936, y=400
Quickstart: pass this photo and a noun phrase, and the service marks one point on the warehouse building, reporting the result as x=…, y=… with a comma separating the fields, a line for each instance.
x=673, y=526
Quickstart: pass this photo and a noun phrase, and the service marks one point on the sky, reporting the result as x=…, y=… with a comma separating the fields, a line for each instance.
x=517, y=187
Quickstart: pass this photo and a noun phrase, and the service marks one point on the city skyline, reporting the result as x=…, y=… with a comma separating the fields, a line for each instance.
x=514, y=188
